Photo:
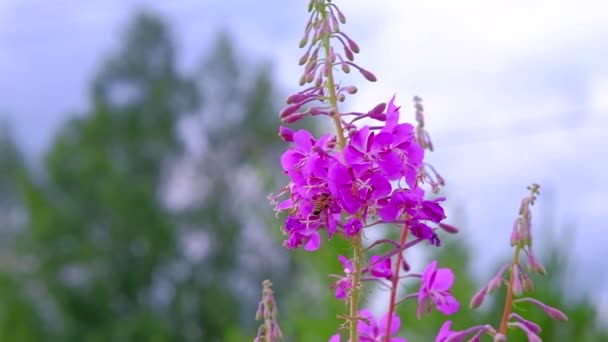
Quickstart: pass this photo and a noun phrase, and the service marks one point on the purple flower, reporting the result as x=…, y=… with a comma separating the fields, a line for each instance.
x=381, y=269
x=445, y=332
x=307, y=158
x=334, y=338
x=372, y=331
x=354, y=186
x=434, y=290
x=369, y=148
x=353, y=227
x=301, y=234
x=343, y=285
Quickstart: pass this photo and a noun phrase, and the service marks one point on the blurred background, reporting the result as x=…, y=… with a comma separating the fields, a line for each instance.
x=138, y=144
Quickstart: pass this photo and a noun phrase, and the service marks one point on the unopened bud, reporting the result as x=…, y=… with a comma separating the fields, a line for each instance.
x=517, y=286
x=286, y=134
x=448, y=228
x=298, y=97
x=349, y=53
x=368, y=75
x=515, y=235
x=500, y=338
x=304, y=58
x=532, y=337
x=310, y=77
x=527, y=283
x=352, y=45
x=341, y=97
x=534, y=265
x=345, y=67
x=350, y=89
x=341, y=16
x=478, y=298
x=319, y=81
x=332, y=57
x=289, y=110
x=550, y=311
x=495, y=282
x=303, y=41
x=293, y=117
x=316, y=111
x=335, y=25
x=535, y=328
x=379, y=108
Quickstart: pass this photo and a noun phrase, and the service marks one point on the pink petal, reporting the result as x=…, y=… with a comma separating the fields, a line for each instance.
x=313, y=243
x=444, y=279
x=449, y=306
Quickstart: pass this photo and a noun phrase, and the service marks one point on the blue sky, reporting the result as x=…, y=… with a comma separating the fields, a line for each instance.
x=515, y=91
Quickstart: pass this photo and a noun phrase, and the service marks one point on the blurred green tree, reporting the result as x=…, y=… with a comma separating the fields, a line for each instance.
x=19, y=320
x=98, y=232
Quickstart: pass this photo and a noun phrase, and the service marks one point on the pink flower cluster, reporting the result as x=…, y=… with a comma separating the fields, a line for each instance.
x=345, y=191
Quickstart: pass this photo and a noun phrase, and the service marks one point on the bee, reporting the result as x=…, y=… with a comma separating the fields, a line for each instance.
x=320, y=204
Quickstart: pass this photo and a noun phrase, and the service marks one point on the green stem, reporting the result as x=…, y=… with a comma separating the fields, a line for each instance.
x=356, y=241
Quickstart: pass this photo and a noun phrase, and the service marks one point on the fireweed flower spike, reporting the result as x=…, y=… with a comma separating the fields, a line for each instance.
x=343, y=183
x=518, y=282
x=269, y=331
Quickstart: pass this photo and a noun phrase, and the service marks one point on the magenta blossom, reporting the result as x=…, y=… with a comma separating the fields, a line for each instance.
x=381, y=269
x=307, y=158
x=445, y=332
x=435, y=290
x=343, y=285
x=301, y=234
x=372, y=331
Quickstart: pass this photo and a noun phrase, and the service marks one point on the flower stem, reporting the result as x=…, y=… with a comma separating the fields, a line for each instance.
x=509, y=297
x=330, y=85
x=394, y=283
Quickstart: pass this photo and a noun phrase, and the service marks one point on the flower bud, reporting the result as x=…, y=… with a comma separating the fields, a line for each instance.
x=350, y=89
x=448, y=228
x=352, y=45
x=345, y=67
x=289, y=110
x=550, y=311
x=517, y=286
x=535, y=328
x=349, y=53
x=495, y=282
x=534, y=265
x=478, y=298
x=304, y=58
x=368, y=75
x=500, y=338
x=341, y=16
x=293, y=118
x=527, y=283
x=286, y=134
x=303, y=41
x=515, y=235
x=379, y=108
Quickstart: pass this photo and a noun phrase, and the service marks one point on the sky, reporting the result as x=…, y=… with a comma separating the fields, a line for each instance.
x=515, y=91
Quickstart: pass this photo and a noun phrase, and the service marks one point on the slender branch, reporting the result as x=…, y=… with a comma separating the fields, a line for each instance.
x=395, y=282
x=509, y=297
